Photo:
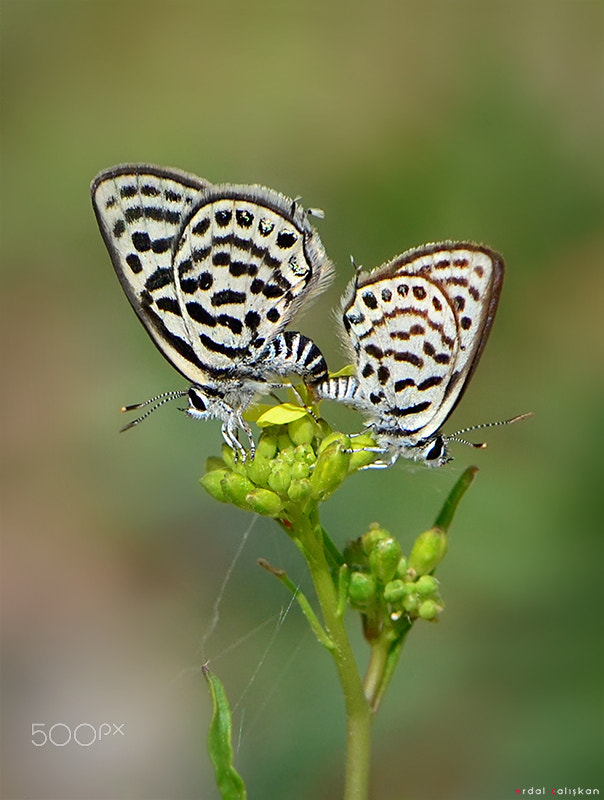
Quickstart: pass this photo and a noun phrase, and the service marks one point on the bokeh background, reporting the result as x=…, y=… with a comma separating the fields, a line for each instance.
x=406, y=122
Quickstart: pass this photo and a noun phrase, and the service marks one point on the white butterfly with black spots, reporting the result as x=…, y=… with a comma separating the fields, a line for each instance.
x=214, y=273
x=415, y=328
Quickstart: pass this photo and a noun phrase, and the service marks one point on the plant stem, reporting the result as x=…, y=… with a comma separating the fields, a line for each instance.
x=307, y=531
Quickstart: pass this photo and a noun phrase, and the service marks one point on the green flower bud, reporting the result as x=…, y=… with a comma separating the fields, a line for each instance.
x=361, y=589
x=426, y=585
x=300, y=469
x=360, y=457
x=283, y=440
x=331, y=468
x=354, y=554
x=267, y=444
x=395, y=591
x=287, y=456
x=428, y=551
x=305, y=454
x=299, y=490
x=258, y=470
x=280, y=477
x=384, y=558
x=265, y=502
x=303, y=430
x=236, y=488
x=374, y=535
x=334, y=436
x=228, y=456
x=411, y=604
x=428, y=610
x=212, y=483
x=403, y=566
x=213, y=462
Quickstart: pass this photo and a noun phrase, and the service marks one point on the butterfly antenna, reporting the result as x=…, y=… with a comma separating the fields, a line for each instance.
x=155, y=403
x=481, y=445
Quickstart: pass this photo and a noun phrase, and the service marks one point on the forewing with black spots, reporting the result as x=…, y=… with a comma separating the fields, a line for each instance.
x=245, y=261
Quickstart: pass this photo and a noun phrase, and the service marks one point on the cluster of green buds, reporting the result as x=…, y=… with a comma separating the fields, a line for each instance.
x=388, y=587
x=298, y=460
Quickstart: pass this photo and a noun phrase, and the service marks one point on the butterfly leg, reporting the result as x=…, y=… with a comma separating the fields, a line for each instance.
x=229, y=433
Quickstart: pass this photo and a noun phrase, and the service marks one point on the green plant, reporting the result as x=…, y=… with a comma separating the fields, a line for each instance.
x=299, y=463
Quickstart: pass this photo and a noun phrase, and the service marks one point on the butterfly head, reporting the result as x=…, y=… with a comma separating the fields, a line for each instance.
x=204, y=403
x=433, y=452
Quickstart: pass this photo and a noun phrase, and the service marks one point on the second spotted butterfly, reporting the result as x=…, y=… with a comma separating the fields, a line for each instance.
x=416, y=328
x=215, y=273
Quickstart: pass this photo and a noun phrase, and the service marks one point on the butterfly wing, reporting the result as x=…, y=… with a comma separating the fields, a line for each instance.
x=246, y=259
x=140, y=209
x=418, y=326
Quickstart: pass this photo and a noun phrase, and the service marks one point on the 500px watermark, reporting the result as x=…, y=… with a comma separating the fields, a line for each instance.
x=85, y=734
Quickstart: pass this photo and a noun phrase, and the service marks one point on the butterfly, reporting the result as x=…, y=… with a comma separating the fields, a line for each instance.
x=415, y=329
x=214, y=273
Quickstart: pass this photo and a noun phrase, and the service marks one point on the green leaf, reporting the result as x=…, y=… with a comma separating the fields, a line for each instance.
x=281, y=415
x=229, y=782
x=345, y=372
x=257, y=410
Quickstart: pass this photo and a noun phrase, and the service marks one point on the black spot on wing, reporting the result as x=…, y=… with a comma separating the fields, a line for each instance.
x=168, y=304
x=119, y=228
x=134, y=263
x=221, y=259
x=244, y=218
x=369, y=300
x=161, y=277
x=367, y=370
x=434, y=380
x=141, y=241
x=286, y=239
x=409, y=410
x=198, y=313
x=228, y=297
x=223, y=218
x=232, y=323
x=201, y=227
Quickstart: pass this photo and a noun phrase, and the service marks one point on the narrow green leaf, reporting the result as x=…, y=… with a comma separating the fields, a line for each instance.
x=447, y=512
x=281, y=415
x=229, y=782
x=302, y=601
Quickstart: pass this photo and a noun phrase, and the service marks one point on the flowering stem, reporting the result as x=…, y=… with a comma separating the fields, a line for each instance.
x=307, y=533
x=300, y=463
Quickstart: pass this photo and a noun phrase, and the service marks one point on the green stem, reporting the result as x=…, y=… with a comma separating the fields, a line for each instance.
x=308, y=534
x=375, y=669
x=385, y=654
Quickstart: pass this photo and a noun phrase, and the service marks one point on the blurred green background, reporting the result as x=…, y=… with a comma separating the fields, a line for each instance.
x=406, y=122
